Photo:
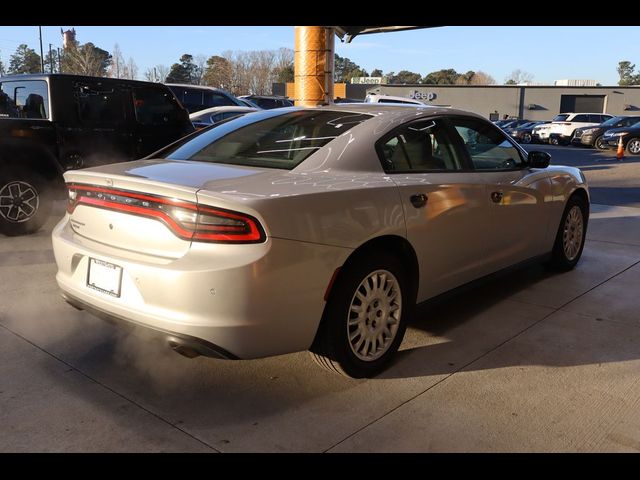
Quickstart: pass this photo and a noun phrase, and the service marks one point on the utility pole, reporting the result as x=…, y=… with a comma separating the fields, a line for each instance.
x=41, y=52
x=59, y=61
x=50, y=59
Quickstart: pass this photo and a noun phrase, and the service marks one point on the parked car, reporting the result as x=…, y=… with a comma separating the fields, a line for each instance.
x=630, y=138
x=349, y=214
x=268, y=102
x=593, y=136
x=377, y=98
x=564, y=125
x=540, y=133
x=507, y=127
x=524, y=133
x=51, y=123
x=198, y=97
x=248, y=103
x=209, y=116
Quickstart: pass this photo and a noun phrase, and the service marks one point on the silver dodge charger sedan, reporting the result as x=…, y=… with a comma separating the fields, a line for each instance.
x=311, y=229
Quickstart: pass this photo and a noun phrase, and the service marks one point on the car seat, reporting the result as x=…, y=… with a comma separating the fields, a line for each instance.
x=34, y=106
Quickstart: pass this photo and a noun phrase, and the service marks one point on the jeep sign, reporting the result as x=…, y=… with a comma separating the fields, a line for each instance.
x=429, y=96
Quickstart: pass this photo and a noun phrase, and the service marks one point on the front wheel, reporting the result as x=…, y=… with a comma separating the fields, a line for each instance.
x=572, y=231
x=365, y=317
x=526, y=138
x=599, y=143
x=25, y=203
x=633, y=146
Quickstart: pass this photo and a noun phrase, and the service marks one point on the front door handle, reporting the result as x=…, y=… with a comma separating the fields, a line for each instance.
x=496, y=197
x=419, y=200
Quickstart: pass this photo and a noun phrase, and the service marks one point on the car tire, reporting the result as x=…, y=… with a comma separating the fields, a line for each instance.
x=526, y=138
x=633, y=146
x=365, y=317
x=599, y=144
x=553, y=141
x=571, y=234
x=25, y=201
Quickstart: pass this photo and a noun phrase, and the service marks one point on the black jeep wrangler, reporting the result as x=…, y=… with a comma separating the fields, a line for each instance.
x=53, y=123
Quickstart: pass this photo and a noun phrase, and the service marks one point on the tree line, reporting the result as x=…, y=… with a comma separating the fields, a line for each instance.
x=243, y=72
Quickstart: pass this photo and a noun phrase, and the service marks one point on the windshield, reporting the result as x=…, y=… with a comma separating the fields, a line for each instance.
x=561, y=118
x=612, y=121
x=280, y=141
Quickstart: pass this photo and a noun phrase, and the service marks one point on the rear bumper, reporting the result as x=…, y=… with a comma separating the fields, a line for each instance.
x=235, y=301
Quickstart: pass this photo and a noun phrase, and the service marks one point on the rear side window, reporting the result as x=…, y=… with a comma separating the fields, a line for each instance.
x=581, y=119
x=99, y=104
x=420, y=146
x=24, y=99
x=281, y=141
x=154, y=106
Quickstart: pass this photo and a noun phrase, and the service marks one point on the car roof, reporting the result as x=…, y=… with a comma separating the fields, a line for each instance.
x=198, y=87
x=388, y=111
x=226, y=108
x=45, y=76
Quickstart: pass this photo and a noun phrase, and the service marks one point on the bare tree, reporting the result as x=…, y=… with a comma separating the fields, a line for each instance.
x=131, y=69
x=86, y=59
x=116, y=69
x=518, y=76
x=481, y=78
x=198, y=74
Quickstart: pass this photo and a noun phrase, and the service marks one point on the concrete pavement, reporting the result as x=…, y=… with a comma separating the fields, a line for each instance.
x=531, y=361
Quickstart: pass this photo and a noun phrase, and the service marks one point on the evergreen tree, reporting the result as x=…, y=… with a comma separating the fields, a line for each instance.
x=24, y=60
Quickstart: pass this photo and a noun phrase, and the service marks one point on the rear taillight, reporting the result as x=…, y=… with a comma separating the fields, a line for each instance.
x=187, y=220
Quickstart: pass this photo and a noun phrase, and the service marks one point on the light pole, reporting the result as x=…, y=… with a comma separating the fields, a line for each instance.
x=50, y=59
x=41, y=52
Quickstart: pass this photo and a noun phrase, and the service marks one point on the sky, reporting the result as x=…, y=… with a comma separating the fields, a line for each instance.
x=549, y=53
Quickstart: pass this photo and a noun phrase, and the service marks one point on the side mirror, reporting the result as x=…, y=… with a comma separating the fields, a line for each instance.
x=539, y=159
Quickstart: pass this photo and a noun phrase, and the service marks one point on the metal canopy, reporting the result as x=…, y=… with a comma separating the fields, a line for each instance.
x=346, y=34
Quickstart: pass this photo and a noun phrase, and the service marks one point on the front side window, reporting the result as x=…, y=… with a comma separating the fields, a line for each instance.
x=99, y=104
x=488, y=148
x=154, y=106
x=281, y=141
x=561, y=118
x=24, y=99
x=418, y=147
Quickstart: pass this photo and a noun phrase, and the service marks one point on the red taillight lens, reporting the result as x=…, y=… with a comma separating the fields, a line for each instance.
x=186, y=220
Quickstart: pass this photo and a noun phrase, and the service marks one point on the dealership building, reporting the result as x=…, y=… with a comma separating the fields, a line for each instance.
x=526, y=102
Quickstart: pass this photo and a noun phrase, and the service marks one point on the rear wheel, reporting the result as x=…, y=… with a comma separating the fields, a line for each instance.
x=526, y=138
x=633, y=146
x=553, y=141
x=365, y=317
x=572, y=231
x=25, y=203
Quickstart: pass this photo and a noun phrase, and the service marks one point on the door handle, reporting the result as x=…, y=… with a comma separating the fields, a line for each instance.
x=419, y=200
x=496, y=197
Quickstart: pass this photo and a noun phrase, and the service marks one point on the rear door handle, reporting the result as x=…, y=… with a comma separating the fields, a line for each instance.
x=496, y=197
x=419, y=200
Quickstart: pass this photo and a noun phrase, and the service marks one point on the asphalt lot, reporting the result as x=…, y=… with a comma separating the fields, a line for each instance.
x=531, y=361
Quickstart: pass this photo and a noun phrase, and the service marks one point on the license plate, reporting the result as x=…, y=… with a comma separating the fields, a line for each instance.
x=104, y=277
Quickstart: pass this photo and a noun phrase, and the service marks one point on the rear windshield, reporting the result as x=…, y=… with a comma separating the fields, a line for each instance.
x=281, y=141
x=560, y=118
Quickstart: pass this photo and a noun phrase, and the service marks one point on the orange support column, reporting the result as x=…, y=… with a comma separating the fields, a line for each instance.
x=313, y=65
